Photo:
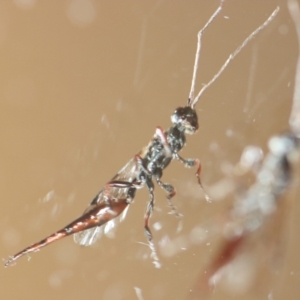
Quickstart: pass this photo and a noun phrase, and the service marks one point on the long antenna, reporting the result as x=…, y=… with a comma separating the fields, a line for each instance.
x=294, y=10
x=233, y=55
x=196, y=64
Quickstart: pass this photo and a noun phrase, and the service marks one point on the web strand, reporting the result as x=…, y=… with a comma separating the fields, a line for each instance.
x=294, y=121
x=233, y=55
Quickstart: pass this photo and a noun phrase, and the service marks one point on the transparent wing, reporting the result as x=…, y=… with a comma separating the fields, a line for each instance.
x=88, y=237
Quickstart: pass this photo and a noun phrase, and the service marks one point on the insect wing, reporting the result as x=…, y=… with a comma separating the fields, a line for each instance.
x=88, y=237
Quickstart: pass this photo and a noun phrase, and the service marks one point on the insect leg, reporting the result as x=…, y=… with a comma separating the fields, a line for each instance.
x=149, y=209
x=131, y=186
x=124, y=184
x=191, y=162
x=162, y=136
x=147, y=216
x=171, y=193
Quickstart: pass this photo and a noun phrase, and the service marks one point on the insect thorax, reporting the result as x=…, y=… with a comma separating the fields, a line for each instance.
x=176, y=138
x=156, y=158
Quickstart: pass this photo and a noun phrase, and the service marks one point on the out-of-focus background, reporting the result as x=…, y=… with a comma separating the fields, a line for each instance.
x=83, y=85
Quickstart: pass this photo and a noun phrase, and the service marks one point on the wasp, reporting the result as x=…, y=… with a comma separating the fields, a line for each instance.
x=112, y=202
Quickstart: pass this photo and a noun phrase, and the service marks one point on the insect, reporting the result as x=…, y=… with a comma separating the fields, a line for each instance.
x=112, y=202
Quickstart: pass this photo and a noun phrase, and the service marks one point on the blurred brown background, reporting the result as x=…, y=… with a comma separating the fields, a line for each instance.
x=83, y=84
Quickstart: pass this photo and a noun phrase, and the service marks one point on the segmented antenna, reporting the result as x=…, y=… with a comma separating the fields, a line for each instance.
x=192, y=101
x=294, y=121
x=196, y=64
